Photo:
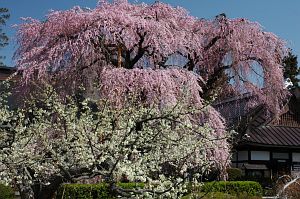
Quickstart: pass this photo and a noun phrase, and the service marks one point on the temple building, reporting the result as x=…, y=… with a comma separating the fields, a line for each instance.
x=266, y=145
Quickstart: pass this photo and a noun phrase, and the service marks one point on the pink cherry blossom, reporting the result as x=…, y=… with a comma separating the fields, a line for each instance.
x=124, y=48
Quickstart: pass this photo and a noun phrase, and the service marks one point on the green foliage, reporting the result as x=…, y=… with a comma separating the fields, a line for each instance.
x=263, y=181
x=3, y=37
x=6, y=192
x=193, y=187
x=269, y=192
x=291, y=69
x=220, y=195
x=84, y=191
x=210, y=190
x=234, y=174
x=233, y=187
x=91, y=191
x=130, y=185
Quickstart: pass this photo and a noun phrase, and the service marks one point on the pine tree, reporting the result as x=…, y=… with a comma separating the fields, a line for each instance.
x=4, y=15
x=291, y=70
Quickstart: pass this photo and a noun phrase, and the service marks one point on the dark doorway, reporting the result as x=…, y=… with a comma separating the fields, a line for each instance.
x=280, y=168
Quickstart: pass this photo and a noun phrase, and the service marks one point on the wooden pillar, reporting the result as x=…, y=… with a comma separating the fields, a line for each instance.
x=249, y=155
x=237, y=159
x=290, y=161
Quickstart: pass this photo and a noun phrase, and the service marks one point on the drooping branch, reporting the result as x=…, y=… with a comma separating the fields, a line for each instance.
x=212, y=42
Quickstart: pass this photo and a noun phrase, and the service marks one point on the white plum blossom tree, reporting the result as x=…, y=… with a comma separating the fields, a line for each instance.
x=59, y=141
x=142, y=113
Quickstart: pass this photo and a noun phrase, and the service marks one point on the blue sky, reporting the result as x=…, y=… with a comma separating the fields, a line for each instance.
x=280, y=17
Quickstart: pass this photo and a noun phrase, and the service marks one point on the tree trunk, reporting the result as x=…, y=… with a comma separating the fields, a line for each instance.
x=41, y=191
x=26, y=192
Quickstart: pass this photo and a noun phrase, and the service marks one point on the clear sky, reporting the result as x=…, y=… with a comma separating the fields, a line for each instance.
x=278, y=16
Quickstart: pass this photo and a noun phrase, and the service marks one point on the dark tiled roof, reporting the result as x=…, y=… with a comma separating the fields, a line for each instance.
x=260, y=119
x=274, y=135
x=237, y=113
x=233, y=109
x=5, y=72
x=287, y=119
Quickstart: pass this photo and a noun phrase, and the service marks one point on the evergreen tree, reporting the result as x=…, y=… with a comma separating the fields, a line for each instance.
x=4, y=15
x=291, y=70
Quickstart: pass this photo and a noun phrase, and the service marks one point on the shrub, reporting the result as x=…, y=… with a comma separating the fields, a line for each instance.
x=233, y=187
x=193, y=187
x=91, y=191
x=219, y=195
x=234, y=174
x=83, y=191
x=130, y=185
x=269, y=192
x=263, y=181
x=6, y=192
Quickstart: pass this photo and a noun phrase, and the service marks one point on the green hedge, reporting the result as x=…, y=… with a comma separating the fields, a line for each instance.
x=233, y=187
x=91, y=191
x=6, y=192
x=130, y=185
x=234, y=174
x=101, y=191
x=219, y=195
